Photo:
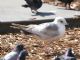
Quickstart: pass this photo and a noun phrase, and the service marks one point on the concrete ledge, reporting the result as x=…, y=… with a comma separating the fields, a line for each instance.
x=12, y=11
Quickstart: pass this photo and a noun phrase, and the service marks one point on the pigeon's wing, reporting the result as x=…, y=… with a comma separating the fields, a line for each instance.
x=63, y=57
x=59, y=58
x=11, y=56
x=69, y=58
x=74, y=58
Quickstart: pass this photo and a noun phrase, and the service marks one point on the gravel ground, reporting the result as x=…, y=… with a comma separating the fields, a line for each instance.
x=39, y=49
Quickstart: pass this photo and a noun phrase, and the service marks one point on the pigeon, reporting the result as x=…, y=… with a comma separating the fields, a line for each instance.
x=67, y=2
x=34, y=5
x=23, y=54
x=67, y=56
x=46, y=31
x=14, y=54
x=75, y=6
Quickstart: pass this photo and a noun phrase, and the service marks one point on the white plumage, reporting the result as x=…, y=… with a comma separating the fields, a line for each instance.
x=47, y=31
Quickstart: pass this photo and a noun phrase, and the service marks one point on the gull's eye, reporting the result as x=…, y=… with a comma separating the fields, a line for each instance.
x=61, y=21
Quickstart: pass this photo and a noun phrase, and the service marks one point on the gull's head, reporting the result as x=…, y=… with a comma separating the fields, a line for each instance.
x=60, y=20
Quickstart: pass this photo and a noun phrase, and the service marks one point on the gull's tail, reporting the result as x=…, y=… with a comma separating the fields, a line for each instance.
x=26, y=28
x=18, y=26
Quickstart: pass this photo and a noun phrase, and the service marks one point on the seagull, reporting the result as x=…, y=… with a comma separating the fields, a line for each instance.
x=46, y=31
x=14, y=54
x=67, y=56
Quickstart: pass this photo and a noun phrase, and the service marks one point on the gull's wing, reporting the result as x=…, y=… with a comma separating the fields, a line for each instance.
x=43, y=30
x=30, y=28
x=51, y=30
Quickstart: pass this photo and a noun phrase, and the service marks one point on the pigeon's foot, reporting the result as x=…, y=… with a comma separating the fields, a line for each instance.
x=34, y=11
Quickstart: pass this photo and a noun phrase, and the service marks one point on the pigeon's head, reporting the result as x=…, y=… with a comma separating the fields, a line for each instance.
x=60, y=20
x=19, y=47
x=34, y=11
x=69, y=52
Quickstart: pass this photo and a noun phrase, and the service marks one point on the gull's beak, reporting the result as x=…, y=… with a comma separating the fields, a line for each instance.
x=66, y=23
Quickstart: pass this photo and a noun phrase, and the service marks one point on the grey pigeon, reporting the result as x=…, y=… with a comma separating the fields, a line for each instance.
x=67, y=56
x=67, y=3
x=47, y=31
x=33, y=4
x=14, y=54
x=23, y=54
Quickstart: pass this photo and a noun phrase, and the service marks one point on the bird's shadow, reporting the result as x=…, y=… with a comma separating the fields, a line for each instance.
x=39, y=13
x=67, y=9
x=43, y=14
